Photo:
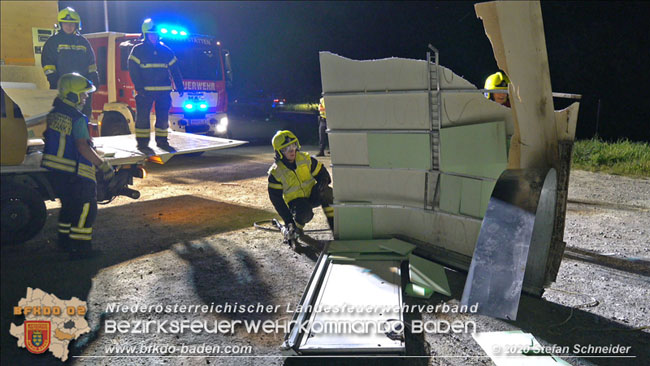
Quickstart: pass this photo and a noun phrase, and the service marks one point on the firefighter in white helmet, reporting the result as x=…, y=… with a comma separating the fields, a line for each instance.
x=298, y=183
x=498, y=80
x=68, y=51
x=150, y=64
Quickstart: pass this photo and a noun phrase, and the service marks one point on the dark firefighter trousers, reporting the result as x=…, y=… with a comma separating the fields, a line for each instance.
x=143, y=104
x=78, y=209
x=322, y=134
x=301, y=208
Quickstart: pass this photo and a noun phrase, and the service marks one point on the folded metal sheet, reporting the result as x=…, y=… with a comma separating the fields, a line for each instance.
x=428, y=274
x=498, y=265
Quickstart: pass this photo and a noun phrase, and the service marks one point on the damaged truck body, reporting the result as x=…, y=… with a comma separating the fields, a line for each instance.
x=420, y=155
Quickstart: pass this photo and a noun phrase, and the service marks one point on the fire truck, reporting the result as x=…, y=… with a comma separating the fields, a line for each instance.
x=206, y=71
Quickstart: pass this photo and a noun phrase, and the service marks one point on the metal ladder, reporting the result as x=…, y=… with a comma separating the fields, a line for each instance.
x=434, y=105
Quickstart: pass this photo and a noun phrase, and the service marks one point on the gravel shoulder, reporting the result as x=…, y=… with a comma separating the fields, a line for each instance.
x=189, y=240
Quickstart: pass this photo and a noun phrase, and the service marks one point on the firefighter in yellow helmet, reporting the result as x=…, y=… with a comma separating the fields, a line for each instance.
x=498, y=80
x=68, y=51
x=150, y=65
x=71, y=158
x=298, y=183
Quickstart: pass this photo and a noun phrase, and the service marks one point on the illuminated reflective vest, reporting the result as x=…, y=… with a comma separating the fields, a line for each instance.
x=321, y=107
x=296, y=183
x=65, y=53
x=60, y=152
x=150, y=65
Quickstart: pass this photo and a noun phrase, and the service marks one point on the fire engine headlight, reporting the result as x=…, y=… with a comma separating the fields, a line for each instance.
x=213, y=121
x=223, y=125
x=188, y=106
x=203, y=106
x=182, y=123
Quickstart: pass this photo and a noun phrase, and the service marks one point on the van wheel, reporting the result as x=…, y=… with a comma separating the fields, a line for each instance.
x=23, y=213
x=114, y=124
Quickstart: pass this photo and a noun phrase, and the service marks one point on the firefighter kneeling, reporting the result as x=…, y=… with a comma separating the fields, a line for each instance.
x=298, y=183
x=69, y=154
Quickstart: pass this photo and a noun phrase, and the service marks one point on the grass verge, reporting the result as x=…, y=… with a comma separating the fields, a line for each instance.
x=622, y=157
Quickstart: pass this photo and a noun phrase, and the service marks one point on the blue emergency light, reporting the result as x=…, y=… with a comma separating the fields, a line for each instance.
x=172, y=31
x=192, y=105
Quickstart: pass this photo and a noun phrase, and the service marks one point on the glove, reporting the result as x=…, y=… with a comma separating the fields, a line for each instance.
x=107, y=170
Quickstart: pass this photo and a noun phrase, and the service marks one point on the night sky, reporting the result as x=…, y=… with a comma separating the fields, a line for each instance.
x=598, y=49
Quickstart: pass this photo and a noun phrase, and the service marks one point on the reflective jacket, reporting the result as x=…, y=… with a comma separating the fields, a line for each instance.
x=150, y=65
x=60, y=152
x=321, y=108
x=65, y=53
x=295, y=183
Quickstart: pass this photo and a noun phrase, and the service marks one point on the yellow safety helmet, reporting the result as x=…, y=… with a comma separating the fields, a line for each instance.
x=71, y=86
x=148, y=26
x=498, y=80
x=283, y=139
x=69, y=15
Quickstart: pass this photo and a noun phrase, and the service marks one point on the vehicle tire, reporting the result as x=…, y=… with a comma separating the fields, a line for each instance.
x=23, y=213
x=114, y=124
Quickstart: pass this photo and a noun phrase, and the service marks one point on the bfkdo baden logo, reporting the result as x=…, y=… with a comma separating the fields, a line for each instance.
x=37, y=335
x=50, y=323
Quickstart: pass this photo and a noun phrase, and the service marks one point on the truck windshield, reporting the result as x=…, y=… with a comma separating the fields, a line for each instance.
x=199, y=63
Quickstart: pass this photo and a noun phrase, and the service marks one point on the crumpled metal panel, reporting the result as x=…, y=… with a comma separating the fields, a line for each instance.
x=498, y=265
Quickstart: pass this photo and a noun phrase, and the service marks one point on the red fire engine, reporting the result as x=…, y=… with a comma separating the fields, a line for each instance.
x=205, y=67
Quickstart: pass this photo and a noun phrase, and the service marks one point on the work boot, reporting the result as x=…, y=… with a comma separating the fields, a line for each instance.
x=163, y=143
x=82, y=249
x=63, y=242
x=143, y=143
x=321, y=153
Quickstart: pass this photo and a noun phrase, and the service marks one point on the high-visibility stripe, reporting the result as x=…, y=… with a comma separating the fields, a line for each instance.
x=84, y=214
x=173, y=61
x=92, y=68
x=81, y=237
x=82, y=230
x=60, y=160
x=142, y=132
x=317, y=170
x=157, y=88
x=59, y=153
x=58, y=166
x=49, y=69
x=161, y=133
x=329, y=211
x=88, y=168
x=87, y=175
x=71, y=47
x=153, y=66
x=135, y=59
x=299, y=226
x=275, y=185
x=64, y=228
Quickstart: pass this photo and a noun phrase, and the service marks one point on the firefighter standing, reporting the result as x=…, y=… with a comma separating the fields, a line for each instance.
x=297, y=183
x=150, y=64
x=69, y=154
x=498, y=80
x=322, y=128
x=68, y=51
